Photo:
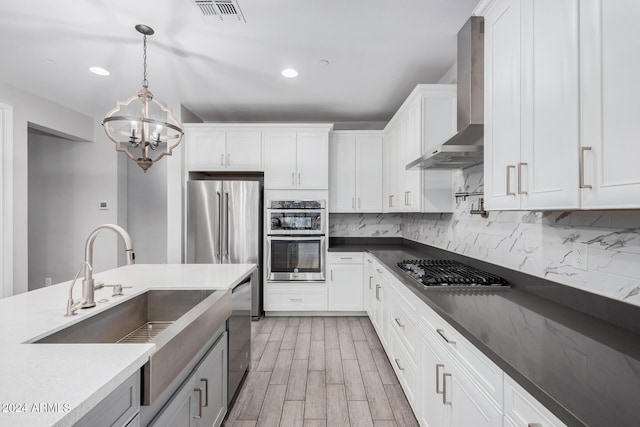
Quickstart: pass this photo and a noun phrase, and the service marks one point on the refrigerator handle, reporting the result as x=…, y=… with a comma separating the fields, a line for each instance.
x=226, y=249
x=218, y=255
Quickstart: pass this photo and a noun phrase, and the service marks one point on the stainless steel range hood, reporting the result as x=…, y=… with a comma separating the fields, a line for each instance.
x=465, y=148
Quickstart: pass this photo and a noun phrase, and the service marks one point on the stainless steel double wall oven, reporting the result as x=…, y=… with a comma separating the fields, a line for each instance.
x=296, y=240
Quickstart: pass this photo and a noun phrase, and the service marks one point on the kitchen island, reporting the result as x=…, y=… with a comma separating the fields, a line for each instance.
x=58, y=384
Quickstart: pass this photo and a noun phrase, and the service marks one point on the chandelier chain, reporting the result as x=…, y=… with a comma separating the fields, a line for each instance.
x=145, y=83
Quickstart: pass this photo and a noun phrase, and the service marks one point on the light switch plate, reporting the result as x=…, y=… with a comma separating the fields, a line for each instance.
x=103, y=205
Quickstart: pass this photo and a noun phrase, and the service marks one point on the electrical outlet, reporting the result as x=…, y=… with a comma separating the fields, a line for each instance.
x=353, y=227
x=47, y=281
x=581, y=256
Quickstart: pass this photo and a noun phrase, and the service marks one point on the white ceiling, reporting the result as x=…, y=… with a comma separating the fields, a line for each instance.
x=228, y=71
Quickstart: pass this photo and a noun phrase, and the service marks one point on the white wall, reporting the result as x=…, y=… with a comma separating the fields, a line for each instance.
x=95, y=165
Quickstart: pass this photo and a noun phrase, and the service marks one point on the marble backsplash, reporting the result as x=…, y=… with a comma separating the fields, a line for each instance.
x=543, y=244
x=365, y=225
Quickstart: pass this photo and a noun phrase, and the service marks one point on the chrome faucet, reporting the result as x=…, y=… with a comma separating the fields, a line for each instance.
x=88, y=286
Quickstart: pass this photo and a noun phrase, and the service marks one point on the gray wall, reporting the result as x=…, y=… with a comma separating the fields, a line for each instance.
x=96, y=165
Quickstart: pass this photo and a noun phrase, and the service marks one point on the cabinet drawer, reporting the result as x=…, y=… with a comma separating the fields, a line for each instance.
x=295, y=300
x=405, y=323
x=118, y=408
x=405, y=367
x=409, y=298
x=522, y=410
x=478, y=366
x=345, y=257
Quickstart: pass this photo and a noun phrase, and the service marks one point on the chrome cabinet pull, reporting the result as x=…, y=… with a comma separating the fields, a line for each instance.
x=298, y=178
x=378, y=270
x=438, y=367
x=206, y=391
x=441, y=332
x=581, y=166
x=398, y=322
x=221, y=159
x=378, y=292
x=353, y=203
x=199, y=391
x=391, y=201
x=359, y=203
x=369, y=261
x=444, y=389
x=293, y=178
x=228, y=159
x=219, y=196
x=509, y=192
x=370, y=278
x=408, y=198
x=295, y=299
x=534, y=425
x=520, y=177
x=398, y=364
x=332, y=275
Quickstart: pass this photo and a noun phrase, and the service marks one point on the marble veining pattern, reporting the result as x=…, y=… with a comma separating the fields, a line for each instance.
x=542, y=244
x=365, y=225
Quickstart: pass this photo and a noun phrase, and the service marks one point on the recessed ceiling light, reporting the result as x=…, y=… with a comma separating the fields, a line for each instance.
x=99, y=71
x=290, y=73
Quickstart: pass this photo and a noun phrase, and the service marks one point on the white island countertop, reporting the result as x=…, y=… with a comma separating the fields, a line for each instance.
x=57, y=384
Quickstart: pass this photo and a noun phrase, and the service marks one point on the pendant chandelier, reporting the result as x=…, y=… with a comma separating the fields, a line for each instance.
x=141, y=127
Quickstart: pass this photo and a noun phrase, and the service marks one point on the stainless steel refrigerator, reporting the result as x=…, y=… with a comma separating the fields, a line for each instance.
x=224, y=226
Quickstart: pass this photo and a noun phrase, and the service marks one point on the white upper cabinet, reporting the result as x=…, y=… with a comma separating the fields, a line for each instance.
x=561, y=105
x=502, y=104
x=427, y=118
x=313, y=160
x=355, y=171
x=296, y=159
x=547, y=173
x=610, y=67
x=211, y=147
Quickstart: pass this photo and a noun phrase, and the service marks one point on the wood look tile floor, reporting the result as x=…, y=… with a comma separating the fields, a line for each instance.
x=319, y=371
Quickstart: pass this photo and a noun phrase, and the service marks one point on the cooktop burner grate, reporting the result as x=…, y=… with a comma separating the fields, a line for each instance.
x=449, y=274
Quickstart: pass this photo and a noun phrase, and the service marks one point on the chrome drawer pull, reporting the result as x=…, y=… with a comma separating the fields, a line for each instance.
x=369, y=261
x=520, y=177
x=444, y=389
x=295, y=299
x=509, y=192
x=534, y=425
x=206, y=391
x=378, y=270
x=378, y=292
x=345, y=257
x=398, y=322
x=199, y=390
x=398, y=363
x=581, y=164
x=441, y=332
x=438, y=366
x=370, y=278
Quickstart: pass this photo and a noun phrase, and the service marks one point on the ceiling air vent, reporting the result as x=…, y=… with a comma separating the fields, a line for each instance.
x=226, y=10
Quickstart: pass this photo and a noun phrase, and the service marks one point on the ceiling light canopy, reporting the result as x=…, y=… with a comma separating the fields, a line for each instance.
x=290, y=73
x=141, y=125
x=99, y=71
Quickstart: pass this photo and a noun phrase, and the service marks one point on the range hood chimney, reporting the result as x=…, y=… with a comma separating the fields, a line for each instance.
x=465, y=148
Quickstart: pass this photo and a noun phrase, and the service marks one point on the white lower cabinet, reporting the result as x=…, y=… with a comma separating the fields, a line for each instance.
x=522, y=410
x=447, y=380
x=120, y=408
x=295, y=297
x=202, y=399
x=345, y=282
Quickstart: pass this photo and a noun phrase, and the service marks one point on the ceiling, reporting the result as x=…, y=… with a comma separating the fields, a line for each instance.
x=230, y=71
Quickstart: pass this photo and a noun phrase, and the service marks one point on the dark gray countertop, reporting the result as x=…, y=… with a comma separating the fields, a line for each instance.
x=584, y=369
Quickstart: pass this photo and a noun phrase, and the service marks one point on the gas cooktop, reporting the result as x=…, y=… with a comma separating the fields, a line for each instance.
x=448, y=274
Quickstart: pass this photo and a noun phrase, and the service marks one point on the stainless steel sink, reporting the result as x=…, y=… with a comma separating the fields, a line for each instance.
x=178, y=322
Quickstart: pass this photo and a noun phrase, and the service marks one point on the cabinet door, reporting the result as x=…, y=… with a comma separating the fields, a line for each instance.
x=182, y=408
x=392, y=201
x=342, y=175
x=368, y=168
x=433, y=361
x=244, y=150
x=345, y=287
x=313, y=160
x=280, y=160
x=411, y=140
x=523, y=410
x=206, y=149
x=548, y=170
x=368, y=283
x=469, y=406
x=502, y=105
x=610, y=108
x=211, y=379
